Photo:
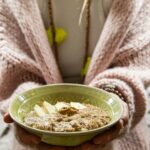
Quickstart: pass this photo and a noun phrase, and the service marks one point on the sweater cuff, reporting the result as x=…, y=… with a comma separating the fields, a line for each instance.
x=4, y=105
x=122, y=90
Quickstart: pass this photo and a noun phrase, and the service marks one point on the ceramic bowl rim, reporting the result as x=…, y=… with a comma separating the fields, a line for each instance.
x=66, y=133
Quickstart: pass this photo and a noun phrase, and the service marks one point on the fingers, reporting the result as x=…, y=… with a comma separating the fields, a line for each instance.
x=86, y=146
x=104, y=138
x=109, y=135
x=7, y=118
x=26, y=138
x=89, y=146
x=43, y=146
x=125, y=116
x=57, y=148
x=74, y=148
x=32, y=140
x=22, y=135
x=115, y=131
x=119, y=125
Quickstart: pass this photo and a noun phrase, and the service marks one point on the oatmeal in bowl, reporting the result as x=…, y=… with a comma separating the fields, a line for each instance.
x=66, y=117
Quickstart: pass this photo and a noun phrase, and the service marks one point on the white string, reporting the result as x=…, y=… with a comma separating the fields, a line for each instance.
x=82, y=11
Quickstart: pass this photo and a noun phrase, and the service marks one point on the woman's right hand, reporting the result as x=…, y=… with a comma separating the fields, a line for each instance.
x=26, y=138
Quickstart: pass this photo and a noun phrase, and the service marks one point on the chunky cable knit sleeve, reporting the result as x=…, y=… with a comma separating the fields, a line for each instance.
x=130, y=70
x=17, y=64
x=4, y=105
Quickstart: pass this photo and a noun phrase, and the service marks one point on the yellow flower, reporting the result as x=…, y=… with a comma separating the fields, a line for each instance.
x=60, y=37
x=85, y=69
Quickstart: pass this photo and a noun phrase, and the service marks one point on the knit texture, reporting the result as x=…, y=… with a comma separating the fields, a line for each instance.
x=121, y=57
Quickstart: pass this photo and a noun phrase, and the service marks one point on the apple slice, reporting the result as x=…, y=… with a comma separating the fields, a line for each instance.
x=77, y=105
x=49, y=108
x=61, y=105
x=39, y=111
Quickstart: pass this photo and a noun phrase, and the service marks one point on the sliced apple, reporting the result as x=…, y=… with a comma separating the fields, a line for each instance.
x=77, y=105
x=61, y=105
x=39, y=111
x=49, y=108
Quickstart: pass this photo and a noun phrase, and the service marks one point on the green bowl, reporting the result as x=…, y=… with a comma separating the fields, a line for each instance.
x=25, y=102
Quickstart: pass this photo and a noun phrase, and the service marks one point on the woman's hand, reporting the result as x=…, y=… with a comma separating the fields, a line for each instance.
x=115, y=131
x=109, y=135
x=26, y=138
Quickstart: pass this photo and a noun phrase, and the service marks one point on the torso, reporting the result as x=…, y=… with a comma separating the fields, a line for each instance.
x=66, y=15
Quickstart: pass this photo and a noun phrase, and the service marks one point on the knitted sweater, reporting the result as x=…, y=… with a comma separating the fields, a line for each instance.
x=121, y=57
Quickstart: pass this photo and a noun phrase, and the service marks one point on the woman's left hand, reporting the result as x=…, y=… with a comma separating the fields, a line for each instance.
x=109, y=135
x=28, y=139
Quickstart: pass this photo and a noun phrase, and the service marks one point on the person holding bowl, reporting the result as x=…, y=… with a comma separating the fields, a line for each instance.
x=101, y=43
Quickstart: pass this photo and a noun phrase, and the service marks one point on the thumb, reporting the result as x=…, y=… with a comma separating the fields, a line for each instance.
x=7, y=118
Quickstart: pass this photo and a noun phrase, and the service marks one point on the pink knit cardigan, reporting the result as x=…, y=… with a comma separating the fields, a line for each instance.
x=121, y=57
